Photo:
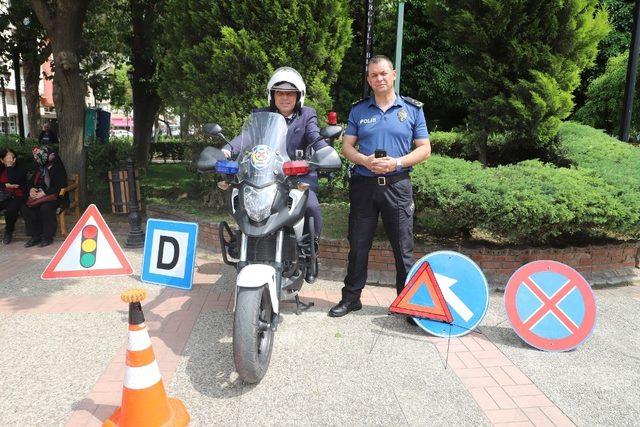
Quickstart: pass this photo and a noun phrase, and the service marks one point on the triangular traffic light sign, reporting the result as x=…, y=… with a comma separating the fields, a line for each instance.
x=89, y=250
x=422, y=297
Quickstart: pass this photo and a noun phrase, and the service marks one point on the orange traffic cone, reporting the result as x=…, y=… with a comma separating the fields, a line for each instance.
x=144, y=400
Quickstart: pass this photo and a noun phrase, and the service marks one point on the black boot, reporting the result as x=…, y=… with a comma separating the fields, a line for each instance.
x=32, y=241
x=8, y=237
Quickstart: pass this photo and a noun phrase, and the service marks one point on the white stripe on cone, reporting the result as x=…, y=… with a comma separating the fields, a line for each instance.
x=142, y=377
x=139, y=340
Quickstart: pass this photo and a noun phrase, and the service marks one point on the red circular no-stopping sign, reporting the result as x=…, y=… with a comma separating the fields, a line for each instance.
x=550, y=306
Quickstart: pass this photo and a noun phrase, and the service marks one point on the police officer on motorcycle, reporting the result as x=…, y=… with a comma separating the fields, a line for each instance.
x=286, y=92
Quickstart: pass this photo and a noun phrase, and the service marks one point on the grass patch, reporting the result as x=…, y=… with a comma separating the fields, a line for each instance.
x=169, y=176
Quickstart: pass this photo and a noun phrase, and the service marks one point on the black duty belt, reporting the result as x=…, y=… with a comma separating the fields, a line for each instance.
x=380, y=180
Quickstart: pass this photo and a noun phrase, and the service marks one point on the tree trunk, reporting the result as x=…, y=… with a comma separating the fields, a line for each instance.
x=146, y=101
x=185, y=120
x=63, y=20
x=144, y=108
x=482, y=148
x=32, y=94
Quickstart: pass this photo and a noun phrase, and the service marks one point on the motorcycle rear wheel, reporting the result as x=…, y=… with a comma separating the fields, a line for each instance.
x=252, y=334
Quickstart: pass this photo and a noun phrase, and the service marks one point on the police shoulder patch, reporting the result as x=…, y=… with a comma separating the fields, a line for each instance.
x=359, y=101
x=413, y=101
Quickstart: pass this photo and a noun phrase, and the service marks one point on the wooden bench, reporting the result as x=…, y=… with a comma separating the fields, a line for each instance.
x=74, y=207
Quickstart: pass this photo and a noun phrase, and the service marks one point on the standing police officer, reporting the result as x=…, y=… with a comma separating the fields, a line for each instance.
x=383, y=126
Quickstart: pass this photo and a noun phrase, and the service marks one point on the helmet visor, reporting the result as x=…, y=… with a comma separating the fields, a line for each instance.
x=284, y=87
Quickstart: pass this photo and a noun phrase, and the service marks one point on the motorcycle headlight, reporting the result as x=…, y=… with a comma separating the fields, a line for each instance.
x=258, y=201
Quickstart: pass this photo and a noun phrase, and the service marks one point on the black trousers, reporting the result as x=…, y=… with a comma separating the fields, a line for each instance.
x=41, y=220
x=11, y=209
x=394, y=202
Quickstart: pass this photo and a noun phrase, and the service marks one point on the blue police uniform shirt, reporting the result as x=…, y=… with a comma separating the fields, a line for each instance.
x=393, y=130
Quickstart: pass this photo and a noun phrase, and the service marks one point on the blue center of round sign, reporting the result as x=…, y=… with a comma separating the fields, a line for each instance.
x=463, y=287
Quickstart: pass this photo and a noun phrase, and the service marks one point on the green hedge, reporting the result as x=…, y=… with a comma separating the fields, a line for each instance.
x=528, y=202
x=533, y=202
x=615, y=162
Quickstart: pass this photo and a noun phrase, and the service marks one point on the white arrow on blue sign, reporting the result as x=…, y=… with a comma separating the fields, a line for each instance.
x=463, y=287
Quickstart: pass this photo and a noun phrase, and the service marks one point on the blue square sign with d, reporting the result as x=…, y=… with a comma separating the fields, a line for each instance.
x=170, y=253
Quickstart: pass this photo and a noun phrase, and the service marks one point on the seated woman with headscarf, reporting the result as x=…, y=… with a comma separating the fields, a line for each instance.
x=39, y=211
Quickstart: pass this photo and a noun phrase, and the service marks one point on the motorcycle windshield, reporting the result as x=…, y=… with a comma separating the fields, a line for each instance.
x=263, y=149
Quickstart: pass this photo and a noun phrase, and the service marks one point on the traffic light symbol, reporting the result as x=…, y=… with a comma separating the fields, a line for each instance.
x=88, y=246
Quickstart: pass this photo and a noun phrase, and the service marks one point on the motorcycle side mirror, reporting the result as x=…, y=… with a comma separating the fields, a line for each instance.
x=212, y=129
x=326, y=158
x=331, y=131
x=208, y=159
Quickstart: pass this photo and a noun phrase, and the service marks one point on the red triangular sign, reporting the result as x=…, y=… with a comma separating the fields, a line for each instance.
x=423, y=278
x=89, y=250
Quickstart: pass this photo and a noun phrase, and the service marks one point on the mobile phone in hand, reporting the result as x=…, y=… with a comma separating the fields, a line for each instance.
x=380, y=153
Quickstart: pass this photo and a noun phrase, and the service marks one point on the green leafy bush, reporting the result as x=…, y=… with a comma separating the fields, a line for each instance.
x=615, y=162
x=167, y=149
x=102, y=158
x=530, y=202
x=452, y=144
x=604, y=103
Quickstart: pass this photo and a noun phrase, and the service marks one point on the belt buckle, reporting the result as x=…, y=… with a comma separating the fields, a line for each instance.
x=382, y=180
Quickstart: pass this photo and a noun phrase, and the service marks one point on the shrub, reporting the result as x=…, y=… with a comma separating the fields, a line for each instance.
x=452, y=144
x=614, y=161
x=605, y=96
x=446, y=195
x=530, y=202
x=167, y=149
x=102, y=158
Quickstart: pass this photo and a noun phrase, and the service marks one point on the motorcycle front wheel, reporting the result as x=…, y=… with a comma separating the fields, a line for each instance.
x=252, y=333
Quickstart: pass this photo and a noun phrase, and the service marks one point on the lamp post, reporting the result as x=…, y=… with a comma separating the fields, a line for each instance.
x=136, y=235
x=632, y=67
x=16, y=72
x=5, y=119
x=399, y=32
x=369, y=11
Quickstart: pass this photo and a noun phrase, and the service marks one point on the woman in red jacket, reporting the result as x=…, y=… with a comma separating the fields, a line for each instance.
x=13, y=187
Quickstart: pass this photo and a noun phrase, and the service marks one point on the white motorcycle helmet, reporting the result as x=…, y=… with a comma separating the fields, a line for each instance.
x=286, y=79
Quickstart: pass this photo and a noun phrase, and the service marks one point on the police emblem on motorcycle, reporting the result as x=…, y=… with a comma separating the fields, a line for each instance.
x=260, y=156
x=402, y=115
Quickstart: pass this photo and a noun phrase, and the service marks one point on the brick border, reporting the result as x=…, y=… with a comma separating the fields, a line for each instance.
x=503, y=392
x=601, y=265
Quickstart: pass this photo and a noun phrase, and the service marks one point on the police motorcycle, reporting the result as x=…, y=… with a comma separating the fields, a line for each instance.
x=273, y=249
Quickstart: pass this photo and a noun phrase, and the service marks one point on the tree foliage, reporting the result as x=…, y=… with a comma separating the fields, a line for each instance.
x=220, y=55
x=618, y=40
x=20, y=30
x=520, y=61
x=604, y=100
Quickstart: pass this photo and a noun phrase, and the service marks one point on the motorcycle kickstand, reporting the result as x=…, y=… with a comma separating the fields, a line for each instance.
x=301, y=306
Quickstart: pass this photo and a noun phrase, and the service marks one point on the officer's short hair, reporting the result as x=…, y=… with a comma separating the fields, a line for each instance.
x=379, y=58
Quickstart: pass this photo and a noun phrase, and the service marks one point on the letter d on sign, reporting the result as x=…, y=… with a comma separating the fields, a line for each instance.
x=169, y=253
x=176, y=253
